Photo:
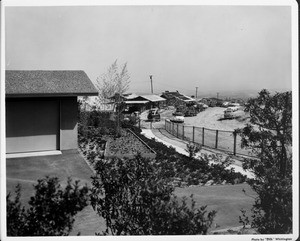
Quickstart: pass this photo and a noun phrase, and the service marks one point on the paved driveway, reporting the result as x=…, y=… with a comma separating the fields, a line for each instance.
x=28, y=170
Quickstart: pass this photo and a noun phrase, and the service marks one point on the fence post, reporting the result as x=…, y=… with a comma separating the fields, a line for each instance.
x=234, y=143
x=217, y=134
x=172, y=128
x=193, y=134
x=177, y=130
x=139, y=123
x=182, y=132
x=202, y=136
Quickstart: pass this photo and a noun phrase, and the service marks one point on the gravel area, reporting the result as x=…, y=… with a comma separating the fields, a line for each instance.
x=210, y=119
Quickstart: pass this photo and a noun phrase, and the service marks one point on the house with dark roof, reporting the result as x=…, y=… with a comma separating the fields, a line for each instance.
x=144, y=102
x=176, y=99
x=41, y=109
x=212, y=102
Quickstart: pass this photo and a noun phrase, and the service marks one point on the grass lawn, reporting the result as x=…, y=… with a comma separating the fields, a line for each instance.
x=227, y=200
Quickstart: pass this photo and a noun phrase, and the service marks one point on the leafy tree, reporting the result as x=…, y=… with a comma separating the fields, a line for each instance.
x=134, y=199
x=51, y=212
x=269, y=134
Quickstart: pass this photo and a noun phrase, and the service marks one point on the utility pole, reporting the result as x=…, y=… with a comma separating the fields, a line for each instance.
x=151, y=84
x=196, y=92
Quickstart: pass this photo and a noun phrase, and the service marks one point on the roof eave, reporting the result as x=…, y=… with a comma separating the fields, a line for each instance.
x=27, y=95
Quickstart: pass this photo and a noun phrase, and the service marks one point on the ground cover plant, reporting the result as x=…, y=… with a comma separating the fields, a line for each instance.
x=134, y=199
x=125, y=145
x=51, y=210
x=190, y=170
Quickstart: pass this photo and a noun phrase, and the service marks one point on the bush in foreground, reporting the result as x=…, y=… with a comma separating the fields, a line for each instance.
x=134, y=199
x=52, y=209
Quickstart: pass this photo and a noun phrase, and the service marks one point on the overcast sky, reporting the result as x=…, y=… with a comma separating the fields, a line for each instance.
x=216, y=48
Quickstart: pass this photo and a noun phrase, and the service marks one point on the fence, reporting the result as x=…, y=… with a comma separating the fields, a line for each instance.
x=145, y=124
x=227, y=141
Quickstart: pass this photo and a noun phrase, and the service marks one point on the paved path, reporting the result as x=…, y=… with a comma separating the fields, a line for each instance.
x=164, y=137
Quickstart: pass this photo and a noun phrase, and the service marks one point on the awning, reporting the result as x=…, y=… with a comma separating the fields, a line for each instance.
x=136, y=102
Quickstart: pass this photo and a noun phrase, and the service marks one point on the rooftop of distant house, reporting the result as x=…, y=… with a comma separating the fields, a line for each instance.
x=176, y=94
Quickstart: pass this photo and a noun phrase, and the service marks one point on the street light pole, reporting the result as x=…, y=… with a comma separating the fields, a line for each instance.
x=151, y=84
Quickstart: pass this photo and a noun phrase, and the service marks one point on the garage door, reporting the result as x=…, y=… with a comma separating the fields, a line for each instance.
x=32, y=126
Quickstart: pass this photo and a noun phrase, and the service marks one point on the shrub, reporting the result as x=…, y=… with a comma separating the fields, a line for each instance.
x=193, y=149
x=134, y=199
x=52, y=209
x=95, y=119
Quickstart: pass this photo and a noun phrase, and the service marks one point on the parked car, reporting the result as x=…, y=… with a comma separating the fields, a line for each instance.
x=153, y=115
x=229, y=113
x=178, y=117
x=190, y=112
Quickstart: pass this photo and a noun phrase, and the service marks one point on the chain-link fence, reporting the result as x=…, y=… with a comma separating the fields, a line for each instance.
x=227, y=141
x=147, y=124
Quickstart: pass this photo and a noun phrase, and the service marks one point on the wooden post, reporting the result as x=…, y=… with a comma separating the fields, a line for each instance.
x=193, y=133
x=217, y=133
x=202, y=136
x=165, y=124
x=177, y=130
x=234, y=143
x=139, y=123
x=172, y=128
x=262, y=147
x=182, y=132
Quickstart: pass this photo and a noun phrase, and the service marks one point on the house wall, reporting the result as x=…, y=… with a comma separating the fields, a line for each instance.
x=68, y=123
x=41, y=124
x=32, y=125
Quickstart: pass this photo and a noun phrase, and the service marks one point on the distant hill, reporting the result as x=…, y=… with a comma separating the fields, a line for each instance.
x=240, y=94
x=234, y=94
